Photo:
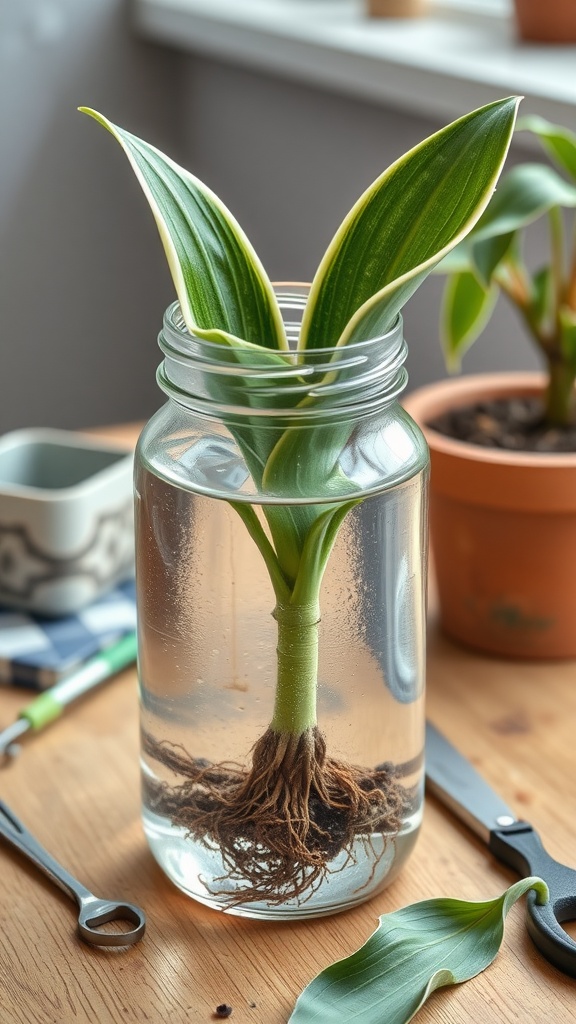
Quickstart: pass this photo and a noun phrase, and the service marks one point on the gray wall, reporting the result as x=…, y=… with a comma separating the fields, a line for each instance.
x=82, y=277
x=83, y=280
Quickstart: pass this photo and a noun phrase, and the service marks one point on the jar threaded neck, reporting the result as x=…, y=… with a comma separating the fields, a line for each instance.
x=298, y=385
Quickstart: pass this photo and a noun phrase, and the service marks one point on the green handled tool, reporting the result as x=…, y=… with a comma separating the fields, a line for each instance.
x=50, y=704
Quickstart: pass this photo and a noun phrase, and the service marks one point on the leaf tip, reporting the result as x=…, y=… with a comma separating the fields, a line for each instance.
x=453, y=363
x=97, y=117
x=541, y=889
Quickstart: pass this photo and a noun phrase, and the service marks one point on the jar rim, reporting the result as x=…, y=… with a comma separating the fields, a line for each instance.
x=174, y=322
x=309, y=385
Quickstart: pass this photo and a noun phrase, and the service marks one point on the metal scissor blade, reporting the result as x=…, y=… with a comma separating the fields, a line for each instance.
x=458, y=785
x=9, y=736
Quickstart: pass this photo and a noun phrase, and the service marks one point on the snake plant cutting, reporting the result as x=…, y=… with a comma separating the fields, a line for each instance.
x=280, y=821
x=491, y=261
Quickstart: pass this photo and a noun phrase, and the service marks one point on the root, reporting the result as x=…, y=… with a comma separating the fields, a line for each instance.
x=280, y=823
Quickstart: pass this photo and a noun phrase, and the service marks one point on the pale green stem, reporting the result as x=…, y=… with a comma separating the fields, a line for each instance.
x=560, y=389
x=512, y=278
x=254, y=527
x=298, y=621
x=297, y=649
x=559, y=392
x=557, y=255
x=513, y=281
x=297, y=614
x=295, y=700
x=571, y=286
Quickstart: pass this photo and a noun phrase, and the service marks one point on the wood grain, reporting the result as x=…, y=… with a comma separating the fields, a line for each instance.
x=76, y=787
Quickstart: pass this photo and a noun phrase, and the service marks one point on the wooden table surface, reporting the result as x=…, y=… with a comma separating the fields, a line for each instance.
x=76, y=786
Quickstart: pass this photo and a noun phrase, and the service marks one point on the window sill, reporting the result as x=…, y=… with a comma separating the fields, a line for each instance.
x=440, y=65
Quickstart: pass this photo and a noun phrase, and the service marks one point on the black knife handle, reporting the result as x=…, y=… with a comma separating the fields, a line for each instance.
x=520, y=847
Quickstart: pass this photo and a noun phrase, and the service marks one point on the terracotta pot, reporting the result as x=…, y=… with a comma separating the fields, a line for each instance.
x=503, y=531
x=546, y=21
x=395, y=8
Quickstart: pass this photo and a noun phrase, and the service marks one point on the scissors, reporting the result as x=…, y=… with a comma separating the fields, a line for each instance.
x=93, y=911
x=459, y=786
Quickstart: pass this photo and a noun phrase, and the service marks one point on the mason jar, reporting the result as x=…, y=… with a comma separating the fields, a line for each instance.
x=281, y=579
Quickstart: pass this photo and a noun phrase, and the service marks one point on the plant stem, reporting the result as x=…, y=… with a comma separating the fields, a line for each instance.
x=571, y=285
x=250, y=519
x=512, y=279
x=559, y=392
x=295, y=700
x=557, y=255
x=297, y=610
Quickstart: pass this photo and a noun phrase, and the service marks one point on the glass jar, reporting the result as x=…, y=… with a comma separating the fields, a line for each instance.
x=281, y=576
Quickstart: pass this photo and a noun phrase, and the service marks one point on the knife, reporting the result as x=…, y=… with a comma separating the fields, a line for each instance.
x=451, y=778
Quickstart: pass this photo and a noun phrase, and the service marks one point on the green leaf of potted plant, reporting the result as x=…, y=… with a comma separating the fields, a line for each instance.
x=503, y=507
x=276, y=414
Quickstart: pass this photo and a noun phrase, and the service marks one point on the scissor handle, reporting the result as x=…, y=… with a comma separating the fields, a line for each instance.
x=520, y=846
x=95, y=912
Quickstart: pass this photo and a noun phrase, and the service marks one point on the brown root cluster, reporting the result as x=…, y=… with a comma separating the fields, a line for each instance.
x=279, y=823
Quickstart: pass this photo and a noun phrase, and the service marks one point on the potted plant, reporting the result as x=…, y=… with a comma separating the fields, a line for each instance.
x=552, y=22
x=503, y=447
x=396, y=8
x=280, y=512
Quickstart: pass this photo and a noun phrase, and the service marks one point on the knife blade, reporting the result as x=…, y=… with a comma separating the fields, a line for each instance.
x=454, y=780
x=514, y=842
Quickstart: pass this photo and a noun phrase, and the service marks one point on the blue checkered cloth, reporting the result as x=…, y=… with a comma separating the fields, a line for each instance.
x=36, y=652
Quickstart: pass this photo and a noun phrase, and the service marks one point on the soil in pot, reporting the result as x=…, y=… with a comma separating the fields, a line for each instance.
x=512, y=424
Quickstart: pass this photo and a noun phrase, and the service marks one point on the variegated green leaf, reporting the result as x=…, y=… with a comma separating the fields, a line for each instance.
x=413, y=952
x=317, y=549
x=522, y=196
x=249, y=517
x=559, y=142
x=222, y=287
x=488, y=253
x=416, y=211
x=404, y=224
x=466, y=309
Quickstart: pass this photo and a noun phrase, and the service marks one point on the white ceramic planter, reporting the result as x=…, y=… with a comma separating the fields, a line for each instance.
x=66, y=520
